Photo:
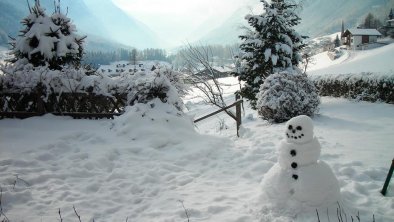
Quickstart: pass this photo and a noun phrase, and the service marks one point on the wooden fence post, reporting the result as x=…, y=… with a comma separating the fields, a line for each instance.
x=389, y=175
x=40, y=101
x=238, y=115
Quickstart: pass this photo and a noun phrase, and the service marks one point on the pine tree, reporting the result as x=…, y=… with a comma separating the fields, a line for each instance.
x=337, y=42
x=271, y=45
x=48, y=39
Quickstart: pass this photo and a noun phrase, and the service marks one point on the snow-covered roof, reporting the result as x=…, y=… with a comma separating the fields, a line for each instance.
x=223, y=69
x=354, y=32
x=127, y=66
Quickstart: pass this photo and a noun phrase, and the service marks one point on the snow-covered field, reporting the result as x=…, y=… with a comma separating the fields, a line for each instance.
x=379, y=60
x=150, y=163
x=143, y=165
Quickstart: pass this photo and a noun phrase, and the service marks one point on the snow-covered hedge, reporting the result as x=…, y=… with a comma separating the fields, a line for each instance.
x=285, y=95
x=361, y=86
x=141, y=87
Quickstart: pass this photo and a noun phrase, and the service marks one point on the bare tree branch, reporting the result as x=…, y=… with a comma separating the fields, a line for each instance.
x=60, y=216
x=203, y=76
x=76, y=213
x=187, y=213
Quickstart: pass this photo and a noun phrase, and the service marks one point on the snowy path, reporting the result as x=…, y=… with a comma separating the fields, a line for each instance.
x=142, y=171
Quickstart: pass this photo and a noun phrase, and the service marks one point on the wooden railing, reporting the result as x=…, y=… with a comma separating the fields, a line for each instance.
x=80, y=105
x=388, y=178
x=77, y=105
x=236, y=117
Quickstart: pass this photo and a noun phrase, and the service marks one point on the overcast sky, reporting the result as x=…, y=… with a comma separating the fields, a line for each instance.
x=177, y=19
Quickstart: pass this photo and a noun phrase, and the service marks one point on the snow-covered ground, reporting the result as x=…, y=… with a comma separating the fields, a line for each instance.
x=142, y=164
x=379, y=60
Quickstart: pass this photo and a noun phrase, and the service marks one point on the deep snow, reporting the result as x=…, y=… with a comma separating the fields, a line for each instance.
x=142, y=164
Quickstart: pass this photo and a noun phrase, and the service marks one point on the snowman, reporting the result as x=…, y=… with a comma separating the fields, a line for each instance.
x=299, y=176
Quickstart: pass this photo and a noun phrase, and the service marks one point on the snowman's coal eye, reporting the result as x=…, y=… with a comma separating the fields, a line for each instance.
x=290, y=127
x=299, y=128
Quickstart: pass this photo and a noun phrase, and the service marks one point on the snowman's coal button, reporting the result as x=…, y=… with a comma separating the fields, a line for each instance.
x=295, y=176
x=293, y=152
x=294, y=165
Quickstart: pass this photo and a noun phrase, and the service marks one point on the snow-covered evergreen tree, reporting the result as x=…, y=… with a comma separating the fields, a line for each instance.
x=48, y=39
x=337, y=42
x=271, y=45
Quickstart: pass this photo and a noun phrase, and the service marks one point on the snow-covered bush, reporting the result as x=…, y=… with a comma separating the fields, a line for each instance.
x=157, y=123
x=285, y=95
x=48, y=39
x=24, y=77
x=175, y=79
x=144, y=87
x=335, y=54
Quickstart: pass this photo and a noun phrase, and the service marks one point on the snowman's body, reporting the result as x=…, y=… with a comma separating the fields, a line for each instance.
x=299, y=175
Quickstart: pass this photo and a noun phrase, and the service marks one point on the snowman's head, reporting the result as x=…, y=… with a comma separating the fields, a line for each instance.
x=299, y=129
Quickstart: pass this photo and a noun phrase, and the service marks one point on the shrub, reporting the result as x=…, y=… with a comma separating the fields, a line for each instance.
x=360, y=86
x=285, y=95
x=142, y=87
x=48, y=39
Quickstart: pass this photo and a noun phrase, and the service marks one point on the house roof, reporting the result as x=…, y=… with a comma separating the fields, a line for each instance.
x=371, y=32
x=223, y=69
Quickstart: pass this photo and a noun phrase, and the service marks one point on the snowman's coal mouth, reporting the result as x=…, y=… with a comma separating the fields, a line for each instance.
x=295, y=136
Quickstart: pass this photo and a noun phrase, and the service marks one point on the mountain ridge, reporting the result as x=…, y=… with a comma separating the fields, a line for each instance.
x=318, y=17
x=111, y=26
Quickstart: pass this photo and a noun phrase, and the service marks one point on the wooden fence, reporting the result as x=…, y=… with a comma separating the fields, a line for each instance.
x=77, y=105
x=236, y=117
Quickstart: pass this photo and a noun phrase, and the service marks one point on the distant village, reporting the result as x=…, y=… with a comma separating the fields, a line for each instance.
x=364, y=37
x=361, y=38
x=117, y=68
